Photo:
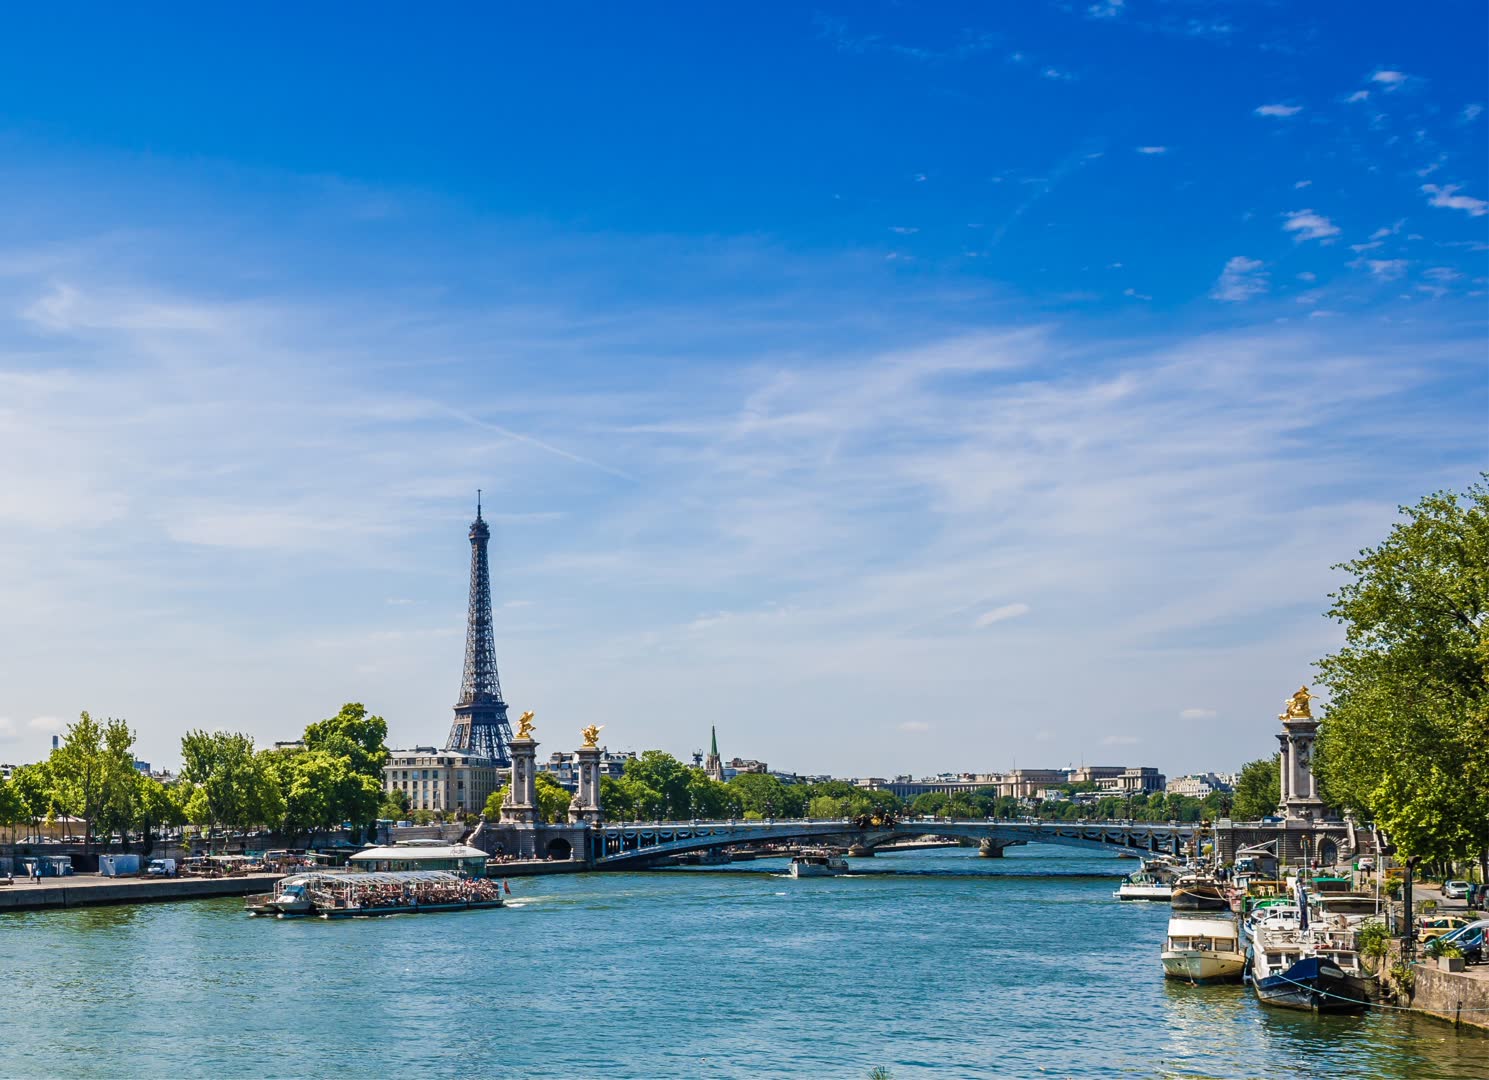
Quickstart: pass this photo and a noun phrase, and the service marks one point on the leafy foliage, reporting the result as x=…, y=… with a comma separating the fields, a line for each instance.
x=1259, y=788
x=1406, y=736
x=230, y=786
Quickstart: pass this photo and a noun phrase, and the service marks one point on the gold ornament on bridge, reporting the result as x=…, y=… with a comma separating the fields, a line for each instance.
x=525, y=725
x=1297, y=706
x=591, y=735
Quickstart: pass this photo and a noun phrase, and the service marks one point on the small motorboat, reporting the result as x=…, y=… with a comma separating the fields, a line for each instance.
x=290, y=899
x=819, y=864
x=1198, y=949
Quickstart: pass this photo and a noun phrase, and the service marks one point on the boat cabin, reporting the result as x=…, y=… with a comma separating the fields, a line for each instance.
x=1207, y=935
x=417, y=855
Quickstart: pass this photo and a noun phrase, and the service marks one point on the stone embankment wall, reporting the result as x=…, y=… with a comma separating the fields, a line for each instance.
x=86, y=892
x=1462, y=997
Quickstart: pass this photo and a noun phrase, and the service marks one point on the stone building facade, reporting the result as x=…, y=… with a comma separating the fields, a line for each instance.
x=451, y=781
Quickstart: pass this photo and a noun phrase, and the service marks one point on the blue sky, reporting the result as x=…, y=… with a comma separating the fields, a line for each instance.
x=897, y=389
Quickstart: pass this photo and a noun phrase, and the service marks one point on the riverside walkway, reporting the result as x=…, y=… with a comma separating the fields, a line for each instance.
x=87, y=890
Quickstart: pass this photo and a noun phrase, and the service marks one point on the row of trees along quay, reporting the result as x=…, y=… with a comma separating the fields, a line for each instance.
x=1403, y=741
x=334, y=775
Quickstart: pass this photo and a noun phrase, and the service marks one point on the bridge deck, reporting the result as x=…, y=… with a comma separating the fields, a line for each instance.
x=615, y=845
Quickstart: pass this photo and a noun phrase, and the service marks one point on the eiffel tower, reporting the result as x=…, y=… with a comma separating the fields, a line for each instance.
x=480, y=726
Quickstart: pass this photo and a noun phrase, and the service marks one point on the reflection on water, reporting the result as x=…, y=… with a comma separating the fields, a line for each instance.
x=958, y=966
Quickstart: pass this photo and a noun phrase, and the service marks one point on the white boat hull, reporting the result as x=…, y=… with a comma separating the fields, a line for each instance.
x=1202, y=965
x=1162, y=893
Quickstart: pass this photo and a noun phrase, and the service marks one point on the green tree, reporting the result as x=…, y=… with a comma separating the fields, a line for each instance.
x=359, y=741
x=824, y=806
x=231, y=786
x=121, y=782
x=36, y=787
x=394, y=805
x=13, y=809
x=156, y=806
x=93, y=774
x=1258, y=789
x=1405, y=738
x=767, y=796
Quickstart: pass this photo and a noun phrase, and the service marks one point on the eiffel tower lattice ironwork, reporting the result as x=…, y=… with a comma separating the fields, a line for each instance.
x=480, y=725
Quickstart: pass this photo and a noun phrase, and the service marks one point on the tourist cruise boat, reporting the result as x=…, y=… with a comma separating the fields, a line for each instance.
x=1294, y=964
x=342, y=895
x=1200, y=949
x=818, y=864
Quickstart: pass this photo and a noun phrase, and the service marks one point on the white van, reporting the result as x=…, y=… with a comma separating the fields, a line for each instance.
x=161, y=868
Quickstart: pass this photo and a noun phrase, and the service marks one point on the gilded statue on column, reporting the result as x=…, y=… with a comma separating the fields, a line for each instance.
x=1297, y=706
x=525, y=725
x=591, y=736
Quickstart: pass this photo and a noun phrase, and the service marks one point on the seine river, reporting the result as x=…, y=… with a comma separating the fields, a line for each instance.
x=952, y=966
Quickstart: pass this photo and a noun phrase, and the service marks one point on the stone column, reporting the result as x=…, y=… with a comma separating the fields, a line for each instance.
x=1300, y=801
x=521, y=807
x=1284, y=769
x=585, y=806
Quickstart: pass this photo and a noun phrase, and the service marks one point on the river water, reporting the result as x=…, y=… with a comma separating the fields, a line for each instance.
x=951, y=966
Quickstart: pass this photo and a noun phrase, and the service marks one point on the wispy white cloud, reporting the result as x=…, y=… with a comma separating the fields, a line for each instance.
x=1470, y=113
x=1197, y=714
x=1152, y=149
x=838, y=506
x=1106, y=9
x=914, y=727
x=1000, y=614
x=1391, y=80
x=1357, y=97
x=1447, y=197
x=1278, y=110
x=1309, y=225
x=1242, y=279
x=1057, y=74
x=1385, y=269
x=1301, y=184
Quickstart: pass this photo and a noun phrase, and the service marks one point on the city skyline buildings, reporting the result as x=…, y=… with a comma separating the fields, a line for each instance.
x=868, y=432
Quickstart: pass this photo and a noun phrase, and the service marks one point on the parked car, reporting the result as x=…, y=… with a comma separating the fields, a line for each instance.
x=1434, y=926
x=1455, y=890
x=1468, y=939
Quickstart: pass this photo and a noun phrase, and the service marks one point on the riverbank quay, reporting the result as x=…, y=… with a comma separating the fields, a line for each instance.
x=86, y=890
x=535, y=867
x=1461, y=997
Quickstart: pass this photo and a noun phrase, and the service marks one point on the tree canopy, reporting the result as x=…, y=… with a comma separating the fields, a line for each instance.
x=1258, y=789
x=1405, y=739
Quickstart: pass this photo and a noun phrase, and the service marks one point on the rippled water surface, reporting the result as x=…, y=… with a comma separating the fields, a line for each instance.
x=950, y=966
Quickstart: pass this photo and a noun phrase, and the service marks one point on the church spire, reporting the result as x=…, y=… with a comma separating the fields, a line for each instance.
x=714, y=766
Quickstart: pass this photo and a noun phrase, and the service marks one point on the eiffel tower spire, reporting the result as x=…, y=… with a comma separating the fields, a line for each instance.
x=480, y=726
